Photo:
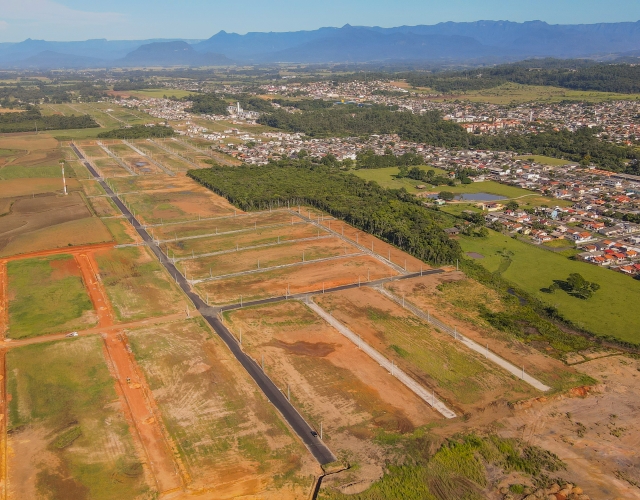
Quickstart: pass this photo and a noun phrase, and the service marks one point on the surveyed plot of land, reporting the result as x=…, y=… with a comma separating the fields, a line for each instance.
x=225, y=224
x=458, y=302
x=103, y=206
x=430, y=357
x=329, y=380
x=109, y=168
x=246, y=238
x=38, y=223
x=309, y=277
x=68, y=437
x=47, y=295
x=229, y=437
x=278, y=255
x=137, y=285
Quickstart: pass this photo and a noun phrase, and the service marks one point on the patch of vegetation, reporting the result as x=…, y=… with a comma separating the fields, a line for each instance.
x=67, y=437
x=575, y=285
x=32, y=120
x=138, y=132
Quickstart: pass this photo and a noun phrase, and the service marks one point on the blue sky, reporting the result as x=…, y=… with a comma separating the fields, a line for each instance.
x=142, y=19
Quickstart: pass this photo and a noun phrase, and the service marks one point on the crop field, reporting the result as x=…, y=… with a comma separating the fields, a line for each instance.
x=329, y=380
x=244, y=238
x=226, y=224
x=34, y=186
x=460, y=376
x=67, y=435
x=297, y=279
x=28, y=141
x=278, y=255
x=533, y=269
x=457, y=301
x=175, y=205
x=137, y=285
x=47, y=295
x=229, y=437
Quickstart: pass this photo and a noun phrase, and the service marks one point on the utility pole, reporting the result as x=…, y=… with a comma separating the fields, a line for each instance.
x=64, y=181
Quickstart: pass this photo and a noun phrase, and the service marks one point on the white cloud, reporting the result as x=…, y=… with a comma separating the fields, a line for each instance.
x=51, y=12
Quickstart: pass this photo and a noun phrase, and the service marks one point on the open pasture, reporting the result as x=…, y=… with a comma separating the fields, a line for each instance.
x=16, y=187
x=28, y=141
x=463, y=378
x=247, y=238
x=47, y=295
x=174, y=205
x=297, y=279
x=229, y=437
x=137, y=285
x=68, y=436
x=330, y=381
x=239, y=222
x=262, y=258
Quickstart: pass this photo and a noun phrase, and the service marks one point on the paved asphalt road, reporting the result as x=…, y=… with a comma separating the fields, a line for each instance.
x=317, y=448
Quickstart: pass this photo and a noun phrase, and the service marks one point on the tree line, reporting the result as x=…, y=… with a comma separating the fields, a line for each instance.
x=32, y=119
x=138, y=132
x=394, y=216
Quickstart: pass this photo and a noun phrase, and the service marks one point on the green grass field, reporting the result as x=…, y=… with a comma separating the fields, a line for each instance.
x=61, y=412
x=137, y=285
x=47, y=295
x=608, y=312
x=17, y=172
x=545, y=160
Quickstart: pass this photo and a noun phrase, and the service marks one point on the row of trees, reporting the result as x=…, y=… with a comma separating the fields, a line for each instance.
x=138, y=132
x=32, y=120
x=392, y=215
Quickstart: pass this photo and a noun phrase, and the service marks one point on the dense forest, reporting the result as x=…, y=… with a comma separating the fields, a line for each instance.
x=32, y=119
x=392, y=215
x=429, y=128
x=368, y=159
x=207, y=104
x=623, y=78
x=138, y=132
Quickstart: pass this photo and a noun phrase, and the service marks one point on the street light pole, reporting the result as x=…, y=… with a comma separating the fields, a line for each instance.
x=64, y=182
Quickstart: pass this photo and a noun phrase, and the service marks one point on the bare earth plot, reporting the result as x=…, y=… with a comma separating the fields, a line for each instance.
x=67, y=435
x=331, y=382
x=49, y=222
x=243, y=239
x=232, y=442
x=278, y=255
x=454, y=299
x=137, y=286
x=223, y=224
x=47, y=295
x=297, y=279
x=466, y=381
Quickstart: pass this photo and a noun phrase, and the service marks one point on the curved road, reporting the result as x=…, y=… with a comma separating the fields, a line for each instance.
x=317, y=448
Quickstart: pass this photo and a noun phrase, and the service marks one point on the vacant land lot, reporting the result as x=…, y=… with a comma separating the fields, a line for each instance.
x=458, y=302
x=109, y=168
x=229, y=437
x=545, y=160
x=30, y=217
x=34, y=186
x=533, y=269
x=27, y=141
x=278, y=255
x=241, y=222
x=103, y=206
x=47, y=295
x=137, y=285
x=298, y=279
x=463, y=378
x=330, y=381
x=68, y=438
x=247, y=238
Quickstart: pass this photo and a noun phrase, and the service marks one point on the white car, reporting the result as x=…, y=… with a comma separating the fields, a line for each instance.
x=72, y=334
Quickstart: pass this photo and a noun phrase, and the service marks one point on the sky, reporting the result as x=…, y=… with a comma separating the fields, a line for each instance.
x=198, y=19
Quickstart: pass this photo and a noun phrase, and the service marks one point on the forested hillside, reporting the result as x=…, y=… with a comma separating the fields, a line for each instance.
x=394, y=216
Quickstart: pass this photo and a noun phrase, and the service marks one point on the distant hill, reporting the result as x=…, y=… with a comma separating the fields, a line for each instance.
x=474, y=43
x=170, y=54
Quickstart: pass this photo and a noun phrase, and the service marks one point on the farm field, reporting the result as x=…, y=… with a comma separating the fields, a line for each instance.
x=230, y=439
x=532, y=269
x=246, y=238
x=461, y=377
x=47, y=295
x=68, y=437
x=137, y=286
x=297, y=279
x=225, y=224
x=331, y=382
x=457, y=301
x=262, y=258
x=38, y=223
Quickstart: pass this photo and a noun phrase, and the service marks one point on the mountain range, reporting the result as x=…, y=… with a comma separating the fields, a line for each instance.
x=475, y=42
